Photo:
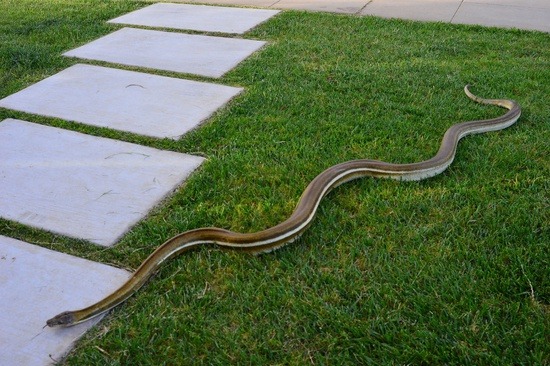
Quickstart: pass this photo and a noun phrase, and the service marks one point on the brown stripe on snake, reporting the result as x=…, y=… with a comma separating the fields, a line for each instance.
x=290, y=229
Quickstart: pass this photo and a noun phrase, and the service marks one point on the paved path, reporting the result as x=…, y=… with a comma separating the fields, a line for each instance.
x=96, y=188
x=523, y=14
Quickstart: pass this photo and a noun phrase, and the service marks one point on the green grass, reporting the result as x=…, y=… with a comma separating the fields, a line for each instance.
x=451, y=270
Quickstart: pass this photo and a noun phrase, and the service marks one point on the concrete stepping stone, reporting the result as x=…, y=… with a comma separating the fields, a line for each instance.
x=82, y=186
x=169, y=51
x=38, y=283
x=141, y=103
x=197, y=17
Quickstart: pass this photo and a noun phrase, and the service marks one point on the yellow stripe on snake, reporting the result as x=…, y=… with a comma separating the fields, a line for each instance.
x=290, y=229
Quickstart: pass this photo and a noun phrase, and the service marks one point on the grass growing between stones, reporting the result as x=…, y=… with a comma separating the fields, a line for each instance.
x=451, y=270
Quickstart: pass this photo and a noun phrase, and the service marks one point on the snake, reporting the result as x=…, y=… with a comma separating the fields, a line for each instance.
x=289, y=230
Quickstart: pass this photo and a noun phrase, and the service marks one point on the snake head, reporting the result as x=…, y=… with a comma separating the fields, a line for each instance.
x=65, y=318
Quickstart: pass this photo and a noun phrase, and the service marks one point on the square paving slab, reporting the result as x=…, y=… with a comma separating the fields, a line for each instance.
x=82, y=186
x=169, y=51
x=38, y=283
x=141, y=103
x=197, y=17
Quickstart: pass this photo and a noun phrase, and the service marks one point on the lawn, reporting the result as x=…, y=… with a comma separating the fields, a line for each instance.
x=450, y=270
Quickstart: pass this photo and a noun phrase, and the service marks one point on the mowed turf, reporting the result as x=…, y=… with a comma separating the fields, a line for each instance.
x=450, y=270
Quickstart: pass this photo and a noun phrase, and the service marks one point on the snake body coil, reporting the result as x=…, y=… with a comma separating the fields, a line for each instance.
x=290, y=229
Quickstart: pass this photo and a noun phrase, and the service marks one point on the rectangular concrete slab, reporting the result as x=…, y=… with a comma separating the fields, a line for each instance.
x=82, y=186
x=346, y=6
x=141, y=103
x=534, y=17
x=169, y=51
x=426, y=10
x=197, y=17
x=38, y=283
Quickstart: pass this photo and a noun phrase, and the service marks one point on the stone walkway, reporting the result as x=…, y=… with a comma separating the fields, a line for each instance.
x=522, y=14
x=95, y=188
